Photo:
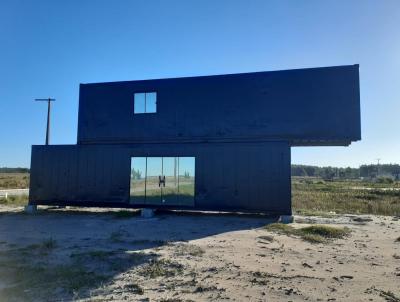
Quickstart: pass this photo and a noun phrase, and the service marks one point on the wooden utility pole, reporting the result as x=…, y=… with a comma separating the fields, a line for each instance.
x=48, y=100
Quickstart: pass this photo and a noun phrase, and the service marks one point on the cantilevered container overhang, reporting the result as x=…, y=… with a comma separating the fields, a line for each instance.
x=237, y=129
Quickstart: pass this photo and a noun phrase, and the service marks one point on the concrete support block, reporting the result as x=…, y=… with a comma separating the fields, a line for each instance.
x=30, y=209
x=286, y=219
x=147, y=213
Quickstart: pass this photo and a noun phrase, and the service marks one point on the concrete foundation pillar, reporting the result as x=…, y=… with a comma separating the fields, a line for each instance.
x=147, y=213
x=286, y=219
x=30, y=209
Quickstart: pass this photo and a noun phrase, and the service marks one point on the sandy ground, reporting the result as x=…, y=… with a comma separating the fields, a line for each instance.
x=218, y=257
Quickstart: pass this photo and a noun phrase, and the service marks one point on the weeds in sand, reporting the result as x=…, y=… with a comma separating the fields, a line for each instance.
x=26, y=277
x=161, y=268
x=203, y=289
x=188, y=249
x=389, y=296
x=43, y=280
x=266, y=238
x=28, y=273
x=134, y=288
x=325, y=231
x=313, y=234
x=280, y=228
x=174, y=300
x=266, y=275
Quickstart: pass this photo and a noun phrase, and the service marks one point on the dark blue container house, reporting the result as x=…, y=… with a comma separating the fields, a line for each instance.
x=201, y=143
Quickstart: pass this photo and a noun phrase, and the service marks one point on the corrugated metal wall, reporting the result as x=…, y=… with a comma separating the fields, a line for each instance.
x=316, y=106
x=229, y=176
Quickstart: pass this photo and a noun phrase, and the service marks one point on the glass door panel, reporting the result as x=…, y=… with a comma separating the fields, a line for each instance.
x=169, y=181
x=162, y=180
x=138, y=180
x=153, y=177
x=186, y=168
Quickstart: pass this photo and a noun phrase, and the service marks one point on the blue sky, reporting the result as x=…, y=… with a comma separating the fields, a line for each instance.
x=48, y=47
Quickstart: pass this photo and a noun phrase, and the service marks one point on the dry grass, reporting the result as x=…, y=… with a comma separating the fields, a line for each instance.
x=309, y=196
x=314, y=196
x=14, y=201
x=14, y=181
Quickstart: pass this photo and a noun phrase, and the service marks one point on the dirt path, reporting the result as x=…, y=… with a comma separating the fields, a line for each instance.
x=106, y=256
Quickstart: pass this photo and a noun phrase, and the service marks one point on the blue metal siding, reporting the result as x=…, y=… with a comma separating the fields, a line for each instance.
x=317, y=106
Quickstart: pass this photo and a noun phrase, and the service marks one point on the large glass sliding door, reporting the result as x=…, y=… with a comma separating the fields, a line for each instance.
x=162, y=180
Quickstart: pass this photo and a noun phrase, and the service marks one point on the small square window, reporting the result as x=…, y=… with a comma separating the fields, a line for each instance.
x=145, y=102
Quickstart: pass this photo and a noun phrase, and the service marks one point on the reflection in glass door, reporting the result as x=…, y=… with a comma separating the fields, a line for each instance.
x=169, y=185
x=153, y=180
x=163, y=180
x=186, y=167
x=138, y=180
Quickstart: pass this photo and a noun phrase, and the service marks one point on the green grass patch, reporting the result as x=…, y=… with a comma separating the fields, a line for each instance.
x=313, y=234
x=280, y=228
x=325, y=231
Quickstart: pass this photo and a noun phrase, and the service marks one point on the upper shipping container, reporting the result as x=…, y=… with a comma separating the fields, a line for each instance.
x=315, y=106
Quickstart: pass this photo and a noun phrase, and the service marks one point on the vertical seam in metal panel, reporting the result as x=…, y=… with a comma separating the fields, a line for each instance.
x=145, y=184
